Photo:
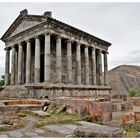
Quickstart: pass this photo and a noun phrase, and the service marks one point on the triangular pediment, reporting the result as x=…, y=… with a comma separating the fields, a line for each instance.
x=21, y=24
x=24, y=25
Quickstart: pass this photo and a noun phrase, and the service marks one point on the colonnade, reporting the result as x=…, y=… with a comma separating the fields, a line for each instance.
x=96, y=62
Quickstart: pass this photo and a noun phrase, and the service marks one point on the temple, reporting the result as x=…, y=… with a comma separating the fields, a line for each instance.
x=51, y=58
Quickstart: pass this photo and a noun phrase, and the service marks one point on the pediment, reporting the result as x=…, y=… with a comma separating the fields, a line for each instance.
x=21, y=24
x=24, y=25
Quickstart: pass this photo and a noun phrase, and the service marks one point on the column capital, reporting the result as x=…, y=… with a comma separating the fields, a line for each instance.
x=105, y=52
x=86, y=46
x=28, y=40
x=47, y=33
x=78, y=43
x=69, y=41
x=58, y=36
x=100, y=51
x=20, y=44
x=7, y=48
x=37, y=37
x=93, y=48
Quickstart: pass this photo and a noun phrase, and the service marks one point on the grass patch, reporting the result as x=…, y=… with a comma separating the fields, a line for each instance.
x=61, y=118
x=3, y=129
x=27, y=112
x=20, y=124
x=131, y=134
x=40, y=124
x=131, y=131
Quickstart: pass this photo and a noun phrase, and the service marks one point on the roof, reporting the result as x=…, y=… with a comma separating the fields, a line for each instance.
x=47, y=17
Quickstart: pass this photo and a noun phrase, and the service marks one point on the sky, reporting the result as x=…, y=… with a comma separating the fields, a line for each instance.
x=117, y=23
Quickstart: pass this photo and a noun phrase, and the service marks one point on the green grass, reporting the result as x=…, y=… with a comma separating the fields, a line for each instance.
x=59, y=119
x=23, y=113
x=3, y=129
x=131, y=131
x=20, y=124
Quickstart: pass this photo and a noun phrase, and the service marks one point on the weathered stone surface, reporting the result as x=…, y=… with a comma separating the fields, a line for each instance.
x=64, y=129
x=15, y=134
x=49, y=55
x=40, y=131
x=128, y=118
x=42, y=113
x=95, y=107
x=3, y=136
x=31, y=134
x=96, y=130
x=137, y=116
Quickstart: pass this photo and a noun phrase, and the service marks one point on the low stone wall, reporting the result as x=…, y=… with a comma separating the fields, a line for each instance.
x=25, y=102
x=14, y=109
x=16, y=91
x=53, y=93
x=100, y=111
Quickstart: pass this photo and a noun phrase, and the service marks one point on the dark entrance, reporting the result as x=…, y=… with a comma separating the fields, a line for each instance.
x=42, y=68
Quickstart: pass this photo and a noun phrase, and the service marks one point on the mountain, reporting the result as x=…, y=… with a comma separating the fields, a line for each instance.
x=124, y=77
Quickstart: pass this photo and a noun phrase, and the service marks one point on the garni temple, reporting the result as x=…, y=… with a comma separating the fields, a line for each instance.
x=52, y=59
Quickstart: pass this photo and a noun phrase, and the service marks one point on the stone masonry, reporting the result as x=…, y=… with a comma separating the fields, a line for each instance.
x=51, y=58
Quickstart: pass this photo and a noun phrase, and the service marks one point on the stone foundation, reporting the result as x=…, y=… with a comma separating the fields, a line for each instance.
x=42, y=91
x=53, y=91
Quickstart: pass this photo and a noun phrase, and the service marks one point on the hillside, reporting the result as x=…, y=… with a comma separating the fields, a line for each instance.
x=124, y=77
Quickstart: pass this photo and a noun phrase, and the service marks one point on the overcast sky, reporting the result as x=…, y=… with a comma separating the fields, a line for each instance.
x=117, y=23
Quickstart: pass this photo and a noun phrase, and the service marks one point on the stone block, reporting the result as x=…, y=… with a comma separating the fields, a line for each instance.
x=135, y=101
x=98, y=110
x=96, y=130
x=137, y=116
x=128, y=119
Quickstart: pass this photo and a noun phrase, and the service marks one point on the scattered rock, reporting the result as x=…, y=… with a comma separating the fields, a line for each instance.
x=64, y=129
x=42, y=113
x=6, y=122
x=52, y=108
x=16, y=134
x=128, y=119
x=62, y=108
x=96, y=130
x=3, y=136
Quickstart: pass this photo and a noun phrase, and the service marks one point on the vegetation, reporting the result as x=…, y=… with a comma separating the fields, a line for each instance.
x=131, y=131
x=3, y=129
x=2, y=80
x=134, y=92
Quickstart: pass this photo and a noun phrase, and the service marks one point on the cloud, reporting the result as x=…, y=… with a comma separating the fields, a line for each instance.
x=117, y=23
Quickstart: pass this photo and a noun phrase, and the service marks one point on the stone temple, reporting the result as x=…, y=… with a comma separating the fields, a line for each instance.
x=53, y=59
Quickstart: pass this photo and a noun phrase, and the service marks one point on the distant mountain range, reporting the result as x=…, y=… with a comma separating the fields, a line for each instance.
x=124, y=77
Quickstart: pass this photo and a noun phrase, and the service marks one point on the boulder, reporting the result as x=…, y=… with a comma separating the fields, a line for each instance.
x=96, y=130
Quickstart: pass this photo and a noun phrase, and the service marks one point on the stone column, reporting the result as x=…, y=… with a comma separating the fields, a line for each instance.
x=37, y=60
x=78, y=62
x=23, y=66
x=69, y=60
x=13, y=66
x=28, y=62
x=94, y=66
x=100, y=67
x=105, y=69
x=7, y=65
x=20, y=63
x=58, y=59
x=16, y=67
x=86, y=65
x=47, y=70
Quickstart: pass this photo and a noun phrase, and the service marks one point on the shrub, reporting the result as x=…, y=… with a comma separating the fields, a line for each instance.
x=134, y=92
x=1, y=82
